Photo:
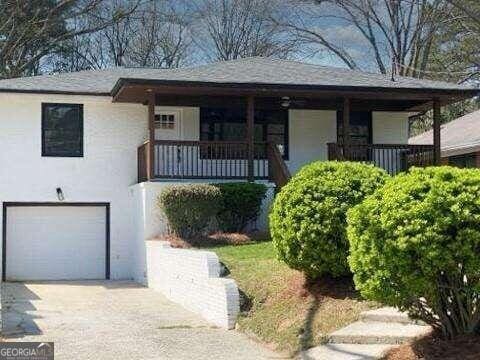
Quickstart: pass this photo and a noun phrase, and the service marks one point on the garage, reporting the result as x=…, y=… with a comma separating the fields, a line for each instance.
x=55, y=241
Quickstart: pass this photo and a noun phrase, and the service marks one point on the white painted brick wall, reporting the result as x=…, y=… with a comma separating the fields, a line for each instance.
x=191, y=279
x=112, y=133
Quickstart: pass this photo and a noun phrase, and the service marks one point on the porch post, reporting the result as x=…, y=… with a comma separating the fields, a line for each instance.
x=151, y=132
x=436, y=132
x=346, y=128
x=250, y=136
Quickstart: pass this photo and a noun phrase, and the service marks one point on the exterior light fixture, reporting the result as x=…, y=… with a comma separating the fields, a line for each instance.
x=60, y=195
x=285, y=102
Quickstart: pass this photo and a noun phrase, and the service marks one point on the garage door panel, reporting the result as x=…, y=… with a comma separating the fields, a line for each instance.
x=56, y=242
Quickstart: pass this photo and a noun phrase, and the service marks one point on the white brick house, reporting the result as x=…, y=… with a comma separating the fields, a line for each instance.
x=83, y=155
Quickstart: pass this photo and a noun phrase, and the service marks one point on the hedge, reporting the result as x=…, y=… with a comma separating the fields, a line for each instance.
x=240, y=204
x=190, y=209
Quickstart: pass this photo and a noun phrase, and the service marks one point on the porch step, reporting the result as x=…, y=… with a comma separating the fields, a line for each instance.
x=388, y=315
x=346, y=352
x=375, y=332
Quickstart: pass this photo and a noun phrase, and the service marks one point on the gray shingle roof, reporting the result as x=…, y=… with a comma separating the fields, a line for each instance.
x=459, y=136
x=255, y=70
x=89, y=81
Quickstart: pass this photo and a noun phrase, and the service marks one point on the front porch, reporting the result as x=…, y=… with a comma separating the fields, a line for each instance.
x=323, y=105
x=266, y=132
x=211, y=155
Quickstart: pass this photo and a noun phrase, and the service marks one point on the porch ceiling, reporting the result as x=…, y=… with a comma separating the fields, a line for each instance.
x=295, y=103
x=269, y=96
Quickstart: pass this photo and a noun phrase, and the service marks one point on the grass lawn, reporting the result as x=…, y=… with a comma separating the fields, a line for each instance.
x=284, y=311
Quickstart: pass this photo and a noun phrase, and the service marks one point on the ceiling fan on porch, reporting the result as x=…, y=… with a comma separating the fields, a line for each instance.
x=287, y=101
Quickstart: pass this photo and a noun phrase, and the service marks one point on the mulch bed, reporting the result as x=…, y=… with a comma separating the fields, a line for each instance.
x=433, y=347
x=337, y=288
x=216, y=239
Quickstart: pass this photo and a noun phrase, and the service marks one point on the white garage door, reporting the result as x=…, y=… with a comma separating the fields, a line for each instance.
x=55, y=242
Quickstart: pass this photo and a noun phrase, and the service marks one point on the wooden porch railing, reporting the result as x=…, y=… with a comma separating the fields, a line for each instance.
x=394, y=158
x=143, y=162
x=174, y=159
x=277, y=169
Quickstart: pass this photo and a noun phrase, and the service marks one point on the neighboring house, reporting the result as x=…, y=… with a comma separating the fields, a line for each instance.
x=460, y=141
x=85, y=154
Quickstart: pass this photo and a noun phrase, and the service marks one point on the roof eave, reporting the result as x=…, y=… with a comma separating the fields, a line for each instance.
x=463, y=93
x=54, y=92
x=460, y=149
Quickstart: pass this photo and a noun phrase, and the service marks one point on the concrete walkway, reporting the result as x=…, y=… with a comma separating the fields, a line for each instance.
x=115, y=320
x=371, y=337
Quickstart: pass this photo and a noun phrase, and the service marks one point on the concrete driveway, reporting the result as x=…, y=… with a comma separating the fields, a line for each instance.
x=115, y=320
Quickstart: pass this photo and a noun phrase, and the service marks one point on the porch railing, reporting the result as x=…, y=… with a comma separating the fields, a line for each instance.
x=174, y=159
x=394, y=158
x=143, y=162
x=277, y=169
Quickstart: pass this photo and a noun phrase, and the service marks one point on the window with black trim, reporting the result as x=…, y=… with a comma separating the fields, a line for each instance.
x=360, y=133
x=360, y=127
x=62, y=130
x=463, y=161
x=229, y=124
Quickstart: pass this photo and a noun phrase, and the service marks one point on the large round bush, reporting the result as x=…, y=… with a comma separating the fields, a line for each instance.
x=415, y=244
x=308, y=218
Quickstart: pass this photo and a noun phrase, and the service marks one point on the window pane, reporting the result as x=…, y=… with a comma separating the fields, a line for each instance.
x=233, y=131
x=276, y=128
x=229, y=124
x=275, y=138
x=258, y=133
x=463, y=161
x=165, y=121
x=62, y=130
x=360, y=127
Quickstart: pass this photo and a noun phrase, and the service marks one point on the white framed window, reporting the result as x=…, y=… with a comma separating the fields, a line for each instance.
x=167, y=121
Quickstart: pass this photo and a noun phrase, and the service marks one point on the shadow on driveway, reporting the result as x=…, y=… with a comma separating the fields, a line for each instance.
x=115, y=320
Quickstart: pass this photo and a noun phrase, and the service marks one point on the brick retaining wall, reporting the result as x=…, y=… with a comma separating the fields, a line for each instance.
x=192, y=279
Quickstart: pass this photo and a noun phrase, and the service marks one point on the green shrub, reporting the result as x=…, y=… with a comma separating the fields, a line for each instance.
x=415, y=244
x=308, y=218
x=240, y=204
x=190, y=209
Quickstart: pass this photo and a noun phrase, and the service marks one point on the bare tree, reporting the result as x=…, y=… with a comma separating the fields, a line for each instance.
x=470, y=9
x=455, y=58
x=104, y=48
x=161, y=36
x=395, y=35
x=156, y=34
x=231, y=29
x=458, y=58
x=33, y=30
